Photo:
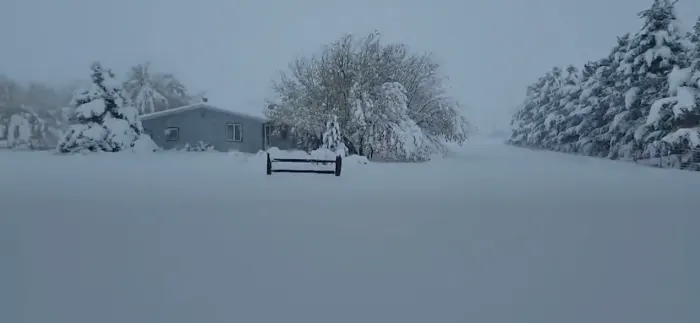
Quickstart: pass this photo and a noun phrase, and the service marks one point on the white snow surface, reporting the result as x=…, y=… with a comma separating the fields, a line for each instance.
x=630, y=97
x=495, y=234
x=93, y=108
x=677, y=78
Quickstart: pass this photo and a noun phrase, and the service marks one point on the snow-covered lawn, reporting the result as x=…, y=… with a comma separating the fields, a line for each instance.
x=497, y=234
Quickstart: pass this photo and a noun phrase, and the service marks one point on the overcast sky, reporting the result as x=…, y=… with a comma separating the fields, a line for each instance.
x=490, y=49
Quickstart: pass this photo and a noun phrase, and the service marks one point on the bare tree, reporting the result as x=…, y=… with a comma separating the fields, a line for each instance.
x=362, y=82
x=141, y=91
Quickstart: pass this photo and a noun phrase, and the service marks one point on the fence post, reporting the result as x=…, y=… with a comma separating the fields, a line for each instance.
x=338, y=165
x=269, y=165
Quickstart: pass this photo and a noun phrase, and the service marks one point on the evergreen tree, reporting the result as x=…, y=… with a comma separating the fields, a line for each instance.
x=590, y=125
x=642, y=100
x=654, y=52
x=332, y=139
x=104, y=120
x=547, y=111
x=524, y=120
x=618, y=98
x=569, y=113
x=681, y=112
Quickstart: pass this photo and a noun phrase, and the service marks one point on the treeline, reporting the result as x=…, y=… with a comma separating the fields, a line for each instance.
x=641, y=101
x=357, y=95
x=36, y=115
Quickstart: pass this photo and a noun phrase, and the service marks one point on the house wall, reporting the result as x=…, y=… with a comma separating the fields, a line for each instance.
x=209, y=126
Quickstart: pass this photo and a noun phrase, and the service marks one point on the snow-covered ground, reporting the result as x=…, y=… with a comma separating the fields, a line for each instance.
x=497, y=234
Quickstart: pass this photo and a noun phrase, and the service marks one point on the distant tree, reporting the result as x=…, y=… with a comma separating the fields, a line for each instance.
x=104, y=119
x=140, y=89
x=363, y=82
x=173, y=90
x=30, y=115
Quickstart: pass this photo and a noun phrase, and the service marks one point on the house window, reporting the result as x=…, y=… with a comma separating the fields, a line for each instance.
x=234, y=132
x=172, y=134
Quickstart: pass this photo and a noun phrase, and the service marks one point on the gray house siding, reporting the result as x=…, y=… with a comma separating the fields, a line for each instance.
x=207, y=124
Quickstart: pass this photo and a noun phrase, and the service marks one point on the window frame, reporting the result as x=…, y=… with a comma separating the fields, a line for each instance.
x=234, y=125
x=167, y=136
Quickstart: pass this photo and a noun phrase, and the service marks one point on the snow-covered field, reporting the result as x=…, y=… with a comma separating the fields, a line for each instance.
x=497, y=234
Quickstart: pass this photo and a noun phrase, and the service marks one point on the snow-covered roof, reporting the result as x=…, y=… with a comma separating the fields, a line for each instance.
x=199, y=106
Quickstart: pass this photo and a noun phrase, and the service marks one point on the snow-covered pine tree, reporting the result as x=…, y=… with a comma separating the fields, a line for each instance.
x=140, y=89
x=548, y=112
x=104, y=120
x=565, y=132
x=614, y=99
x=587, y=118
x=523, y=120
x=332, y=140
x=682, y=108
x=694, y=35
x=653, y=53
x=644, y=95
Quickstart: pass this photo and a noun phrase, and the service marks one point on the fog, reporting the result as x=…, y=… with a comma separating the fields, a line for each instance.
x=490, y=49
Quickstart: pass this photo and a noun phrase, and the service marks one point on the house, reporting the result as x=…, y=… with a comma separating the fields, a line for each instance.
x=225, y=130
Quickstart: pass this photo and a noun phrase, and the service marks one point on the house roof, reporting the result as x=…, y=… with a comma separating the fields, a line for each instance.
x=199, y=106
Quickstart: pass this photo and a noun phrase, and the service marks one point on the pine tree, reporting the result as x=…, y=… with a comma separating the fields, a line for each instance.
x=653, y=53
x=694, y=35
x=104, y=120
x=589, y=113
x=678, y=116
x=548, y=112
x=645, y=95
x=524, y=119
x=568, y=114
x=332, y=140
x=615, y=99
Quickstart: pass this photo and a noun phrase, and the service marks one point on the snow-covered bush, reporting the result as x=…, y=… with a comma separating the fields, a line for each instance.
x=104, y=119
x=199, y=147
x=144, y=144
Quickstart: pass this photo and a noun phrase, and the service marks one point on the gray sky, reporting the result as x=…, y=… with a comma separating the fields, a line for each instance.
x=490, y=49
